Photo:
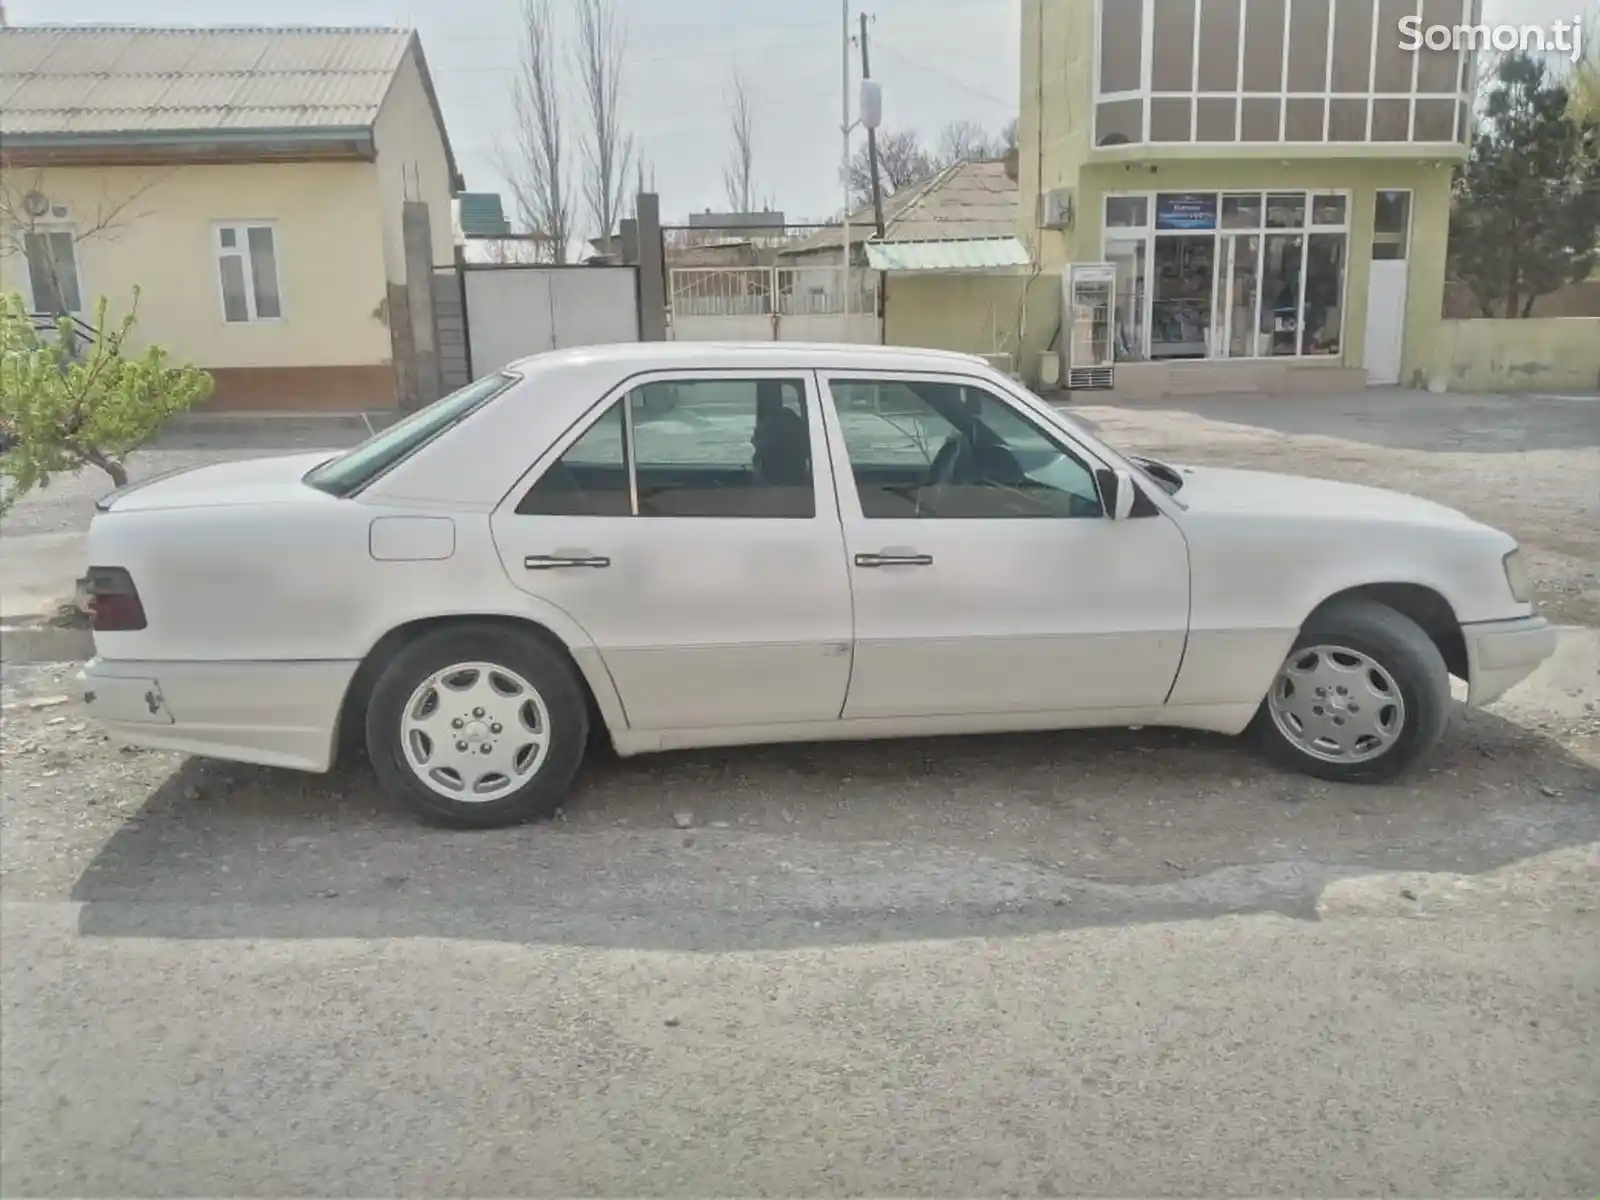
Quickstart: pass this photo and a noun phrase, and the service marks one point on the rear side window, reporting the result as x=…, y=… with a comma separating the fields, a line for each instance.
x=354, y=469
x=713, y=447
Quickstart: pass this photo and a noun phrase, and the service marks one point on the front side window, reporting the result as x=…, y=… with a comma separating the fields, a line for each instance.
x=247, y=263
x=939, y=449
x=688, y=448
x=53, y=271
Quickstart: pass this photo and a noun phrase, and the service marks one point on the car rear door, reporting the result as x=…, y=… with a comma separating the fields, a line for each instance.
x=688, y=526
x=986, y=575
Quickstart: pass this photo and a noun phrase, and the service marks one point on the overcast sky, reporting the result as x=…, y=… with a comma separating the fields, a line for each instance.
x=938, y=61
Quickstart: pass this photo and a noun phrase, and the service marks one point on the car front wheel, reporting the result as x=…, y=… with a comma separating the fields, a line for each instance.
x=478, y=726
x=1363, y=696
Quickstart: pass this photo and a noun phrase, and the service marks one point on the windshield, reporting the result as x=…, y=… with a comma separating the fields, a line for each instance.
x=354, y=469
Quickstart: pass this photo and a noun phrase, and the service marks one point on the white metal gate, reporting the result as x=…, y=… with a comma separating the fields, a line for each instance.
x=789, y=304
x=515, y=311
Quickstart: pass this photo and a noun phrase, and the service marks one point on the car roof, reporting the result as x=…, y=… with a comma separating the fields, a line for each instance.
x=751, y=355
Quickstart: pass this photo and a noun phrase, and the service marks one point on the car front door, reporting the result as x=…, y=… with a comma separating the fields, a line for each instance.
x=691, y=530
x=987, y=576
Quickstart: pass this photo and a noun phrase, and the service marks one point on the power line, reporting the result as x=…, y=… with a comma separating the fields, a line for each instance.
x=906, y=60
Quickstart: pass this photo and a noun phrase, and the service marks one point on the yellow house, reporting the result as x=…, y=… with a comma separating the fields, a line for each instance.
x=1270, y=180
x=250, y=182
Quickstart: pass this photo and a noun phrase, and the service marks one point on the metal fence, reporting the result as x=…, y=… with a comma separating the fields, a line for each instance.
x=763, y=291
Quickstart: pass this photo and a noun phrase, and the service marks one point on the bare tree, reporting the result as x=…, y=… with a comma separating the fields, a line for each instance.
x=535, y=167
x=608, y=151
x=966, y=141
x=1008, y=135
x=738, y=177
x=902, y=159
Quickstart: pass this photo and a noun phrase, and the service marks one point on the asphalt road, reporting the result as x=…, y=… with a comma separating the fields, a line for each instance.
x=1132, y=962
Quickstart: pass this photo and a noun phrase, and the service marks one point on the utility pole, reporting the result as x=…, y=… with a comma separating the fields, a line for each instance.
x=872, y=137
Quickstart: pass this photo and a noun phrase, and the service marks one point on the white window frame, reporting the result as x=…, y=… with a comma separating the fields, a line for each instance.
x=46, y=228
x=1146, y=93
x=242, y=251
x=1148, y=233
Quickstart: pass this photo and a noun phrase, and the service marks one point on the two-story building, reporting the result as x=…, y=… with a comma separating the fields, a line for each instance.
x=1270, y=178
x=252, y=183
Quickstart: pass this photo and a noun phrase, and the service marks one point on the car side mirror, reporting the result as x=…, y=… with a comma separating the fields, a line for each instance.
x=1117, y=492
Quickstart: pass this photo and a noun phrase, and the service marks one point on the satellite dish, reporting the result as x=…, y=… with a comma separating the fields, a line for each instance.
x=36, y=204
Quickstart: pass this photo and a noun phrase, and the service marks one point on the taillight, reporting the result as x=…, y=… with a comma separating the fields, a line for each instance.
x=114, y=601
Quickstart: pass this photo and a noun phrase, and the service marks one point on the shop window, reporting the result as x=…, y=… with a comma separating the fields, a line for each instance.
x=1280, y=293
x=1391, y=224
x=1242, y=211
x=1258, y=119
x=1263, y=47
x=1391, y=120
x=1118, y=122
x=1127, y=256
x=1127, y=212
x=1328, y=210
x=1219, y=48
x=1347, y=120
x=1240, y=290
x=1172, y=46
x=1286, y=210
x=1180, y=316
x=1216, y=118
x=1121, y=45
x=1308, y=50
x=1169, y=120
x=1303, y=120
x=1352, y=51
x=1322, y=319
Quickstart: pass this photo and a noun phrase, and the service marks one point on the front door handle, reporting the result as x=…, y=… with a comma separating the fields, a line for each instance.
x=556, y=562
x=894, y=560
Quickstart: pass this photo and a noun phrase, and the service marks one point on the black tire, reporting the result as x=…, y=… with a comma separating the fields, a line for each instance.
x=540, y=664
x=1401, y=647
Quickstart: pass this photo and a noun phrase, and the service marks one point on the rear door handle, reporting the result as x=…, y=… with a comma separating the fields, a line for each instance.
x=557, y=562
x=894, y=560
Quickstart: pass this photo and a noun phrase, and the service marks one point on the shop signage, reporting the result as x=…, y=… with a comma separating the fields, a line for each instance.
x=1186, y=210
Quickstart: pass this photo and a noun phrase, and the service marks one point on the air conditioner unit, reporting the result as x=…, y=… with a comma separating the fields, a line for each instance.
x=1055, y=209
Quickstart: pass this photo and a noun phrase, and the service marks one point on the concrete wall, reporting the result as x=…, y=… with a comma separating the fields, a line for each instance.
x=973, y=314
x=330, y=348
x=412, y=165
x=1560, y=354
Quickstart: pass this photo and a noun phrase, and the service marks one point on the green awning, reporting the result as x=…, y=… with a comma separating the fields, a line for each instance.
x=999, y=254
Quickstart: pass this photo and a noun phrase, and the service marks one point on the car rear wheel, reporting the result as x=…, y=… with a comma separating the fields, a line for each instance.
x=477, y=727
x=1363, y=696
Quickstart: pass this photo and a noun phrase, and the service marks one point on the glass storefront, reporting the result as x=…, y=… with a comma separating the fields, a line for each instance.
x=1227, y=274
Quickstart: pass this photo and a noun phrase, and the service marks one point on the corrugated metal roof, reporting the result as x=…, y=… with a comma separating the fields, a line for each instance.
x=101, y=79
x=482, y=215
x=948, y=254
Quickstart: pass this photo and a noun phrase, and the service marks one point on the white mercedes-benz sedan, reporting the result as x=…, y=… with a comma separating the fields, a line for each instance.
x=675, y=545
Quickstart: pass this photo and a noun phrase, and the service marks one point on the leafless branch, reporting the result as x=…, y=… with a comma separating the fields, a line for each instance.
x=738, y=177
x=966, y=141
x=534, y=165
x=608, y=151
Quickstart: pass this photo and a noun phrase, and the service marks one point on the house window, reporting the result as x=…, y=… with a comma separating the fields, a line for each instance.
x=53, y=271
x=1298, y=72
x=247, y=262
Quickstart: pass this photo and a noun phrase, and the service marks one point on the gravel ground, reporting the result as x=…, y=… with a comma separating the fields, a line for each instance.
x=1132, y=962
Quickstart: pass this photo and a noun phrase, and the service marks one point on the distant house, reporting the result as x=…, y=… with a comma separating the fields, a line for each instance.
x=249, y=181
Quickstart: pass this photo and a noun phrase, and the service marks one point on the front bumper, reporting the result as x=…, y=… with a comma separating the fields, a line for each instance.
x=273, y=714
x=1501, y=654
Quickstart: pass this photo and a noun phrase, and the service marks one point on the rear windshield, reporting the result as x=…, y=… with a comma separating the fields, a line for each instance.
x=354, y=469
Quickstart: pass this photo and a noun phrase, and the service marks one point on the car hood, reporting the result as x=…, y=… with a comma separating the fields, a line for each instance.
x=276, y=480
x=1264, y=493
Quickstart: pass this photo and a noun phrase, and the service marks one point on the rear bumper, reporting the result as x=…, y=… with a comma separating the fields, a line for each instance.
x=274, y=714
x=1501, y=654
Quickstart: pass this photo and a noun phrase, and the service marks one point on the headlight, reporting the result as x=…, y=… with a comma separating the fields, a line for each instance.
x=1517, y=577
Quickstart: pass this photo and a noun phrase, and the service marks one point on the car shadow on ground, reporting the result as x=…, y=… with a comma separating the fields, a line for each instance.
x=1404, y=420
x=833, y=844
